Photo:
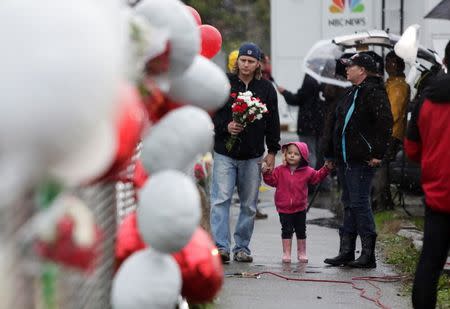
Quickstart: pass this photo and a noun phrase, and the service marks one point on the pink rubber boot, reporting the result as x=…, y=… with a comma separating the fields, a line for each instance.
x=287, y=247
x=301, y=251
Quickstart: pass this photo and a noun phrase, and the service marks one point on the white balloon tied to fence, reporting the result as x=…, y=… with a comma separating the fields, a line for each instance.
x=184, y=36
x=193, y=88
x=147, y=279
x=169, y=210
x=176, y=140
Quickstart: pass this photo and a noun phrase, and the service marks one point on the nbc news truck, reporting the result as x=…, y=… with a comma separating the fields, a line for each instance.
x=297, y=24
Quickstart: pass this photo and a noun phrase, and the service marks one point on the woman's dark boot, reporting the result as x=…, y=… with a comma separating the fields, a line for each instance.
x=367, y=258
x=346, y=251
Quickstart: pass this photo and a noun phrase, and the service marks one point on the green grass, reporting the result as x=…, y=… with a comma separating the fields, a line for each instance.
x=401, y=253
x=418, y=222
x=384, y=216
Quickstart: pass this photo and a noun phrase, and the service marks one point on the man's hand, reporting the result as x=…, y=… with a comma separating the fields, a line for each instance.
x=269, y=159
x=329, y=164
x=280, y=89
x=374, y=162
x=234, y=128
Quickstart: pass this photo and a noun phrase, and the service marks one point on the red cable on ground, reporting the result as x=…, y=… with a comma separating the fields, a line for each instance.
x=369, y=279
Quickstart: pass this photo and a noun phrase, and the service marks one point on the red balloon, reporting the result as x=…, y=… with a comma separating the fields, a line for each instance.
x=158, y=107
x=140, y=175
x=211, y=41
x=201, y=268
x=128, y=239
x=131, y=122
x=196, y=15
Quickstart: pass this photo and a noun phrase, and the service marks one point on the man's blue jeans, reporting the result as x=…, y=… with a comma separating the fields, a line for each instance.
x=228, y=173
x=356, y=181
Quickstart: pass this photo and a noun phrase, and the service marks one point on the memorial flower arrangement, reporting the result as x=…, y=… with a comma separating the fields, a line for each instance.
x=245, y=109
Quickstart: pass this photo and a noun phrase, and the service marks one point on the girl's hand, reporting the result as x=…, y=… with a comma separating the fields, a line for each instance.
x=264, y=167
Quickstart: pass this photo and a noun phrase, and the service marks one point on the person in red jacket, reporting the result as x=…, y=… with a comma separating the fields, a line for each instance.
x=291, y=181
x=427, y=142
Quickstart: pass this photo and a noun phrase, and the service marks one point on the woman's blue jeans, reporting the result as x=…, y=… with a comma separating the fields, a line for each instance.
x=227, y=174
x=356, y=180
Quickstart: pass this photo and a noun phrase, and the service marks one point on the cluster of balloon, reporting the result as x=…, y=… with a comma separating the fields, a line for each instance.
x=70, y=89
x=199, y=262
x=177, y=73
x=201, y=268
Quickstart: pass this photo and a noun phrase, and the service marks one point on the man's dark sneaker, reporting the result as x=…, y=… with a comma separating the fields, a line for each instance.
x=260, y=215
x=224, y=255
x=242, y=256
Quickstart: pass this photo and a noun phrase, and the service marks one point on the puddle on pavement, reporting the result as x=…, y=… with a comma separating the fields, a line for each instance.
x=331, y=202
x=325, y=222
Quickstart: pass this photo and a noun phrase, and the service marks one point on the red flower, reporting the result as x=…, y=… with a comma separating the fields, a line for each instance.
x=239, y=108
x=199, y=173
x=233, y=95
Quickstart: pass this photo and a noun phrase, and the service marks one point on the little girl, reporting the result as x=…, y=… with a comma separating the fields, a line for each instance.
x=291, y=181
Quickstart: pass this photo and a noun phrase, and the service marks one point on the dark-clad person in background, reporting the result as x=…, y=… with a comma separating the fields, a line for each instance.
x=361, y=128
x=310, y=114
x=398, y=92
x=428, y=142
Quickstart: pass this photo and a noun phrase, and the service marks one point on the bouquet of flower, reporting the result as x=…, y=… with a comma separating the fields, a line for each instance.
x=202, y=170
x=245, y=109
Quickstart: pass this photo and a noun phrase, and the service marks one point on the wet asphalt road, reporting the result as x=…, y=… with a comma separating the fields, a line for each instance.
x=272, y=292
x=269, y=291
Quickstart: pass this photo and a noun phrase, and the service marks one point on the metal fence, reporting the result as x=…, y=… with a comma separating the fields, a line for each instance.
x=24, y=283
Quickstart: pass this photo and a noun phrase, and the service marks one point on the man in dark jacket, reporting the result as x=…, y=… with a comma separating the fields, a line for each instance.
x=311, y=113
x=427, y=142
x=241, y=165
x=361, y=128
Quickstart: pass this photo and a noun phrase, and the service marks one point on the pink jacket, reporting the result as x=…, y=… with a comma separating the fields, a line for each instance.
x=291, y=194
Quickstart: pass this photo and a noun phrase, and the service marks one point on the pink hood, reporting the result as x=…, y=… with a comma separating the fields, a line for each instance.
x=302, y=147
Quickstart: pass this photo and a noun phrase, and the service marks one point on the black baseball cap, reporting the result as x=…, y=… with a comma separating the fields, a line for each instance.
x=251, y=50
x=361, y=59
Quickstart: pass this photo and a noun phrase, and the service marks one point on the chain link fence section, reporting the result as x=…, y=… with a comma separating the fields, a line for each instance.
x=16, y=285
x=126, y=195
x=21, y=284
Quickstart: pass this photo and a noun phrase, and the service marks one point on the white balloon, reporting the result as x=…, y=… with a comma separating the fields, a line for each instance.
x=176, y=140
x=204, y=85
x=184, y=35
x=60, y=73
x=408, y=44
x=91, y=159
x=147, y=279
x=169, y=211
x=144, y=42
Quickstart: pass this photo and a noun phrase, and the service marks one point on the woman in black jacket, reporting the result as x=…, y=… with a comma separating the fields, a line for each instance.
x=361, y=128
